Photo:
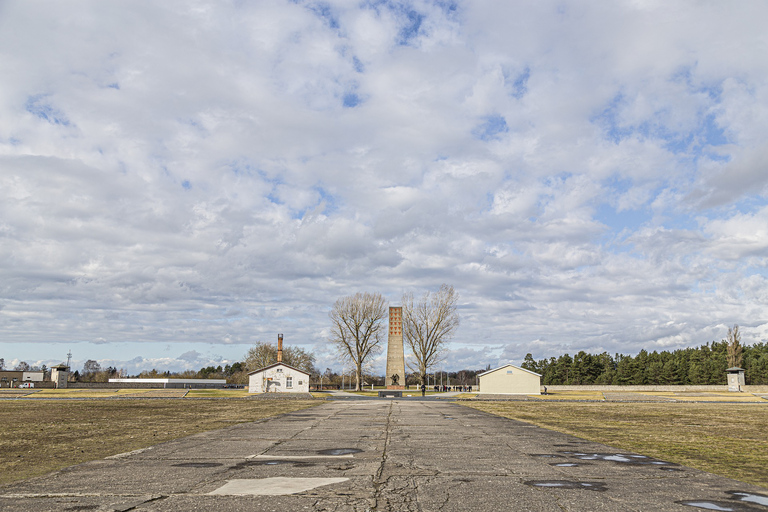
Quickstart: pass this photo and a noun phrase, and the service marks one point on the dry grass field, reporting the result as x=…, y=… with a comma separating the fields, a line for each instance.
x=726, y=439
x=40, y=436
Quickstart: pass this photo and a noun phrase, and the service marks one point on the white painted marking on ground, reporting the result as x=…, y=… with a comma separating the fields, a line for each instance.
x=128, y=454
x=275, y=486
x=297, y=457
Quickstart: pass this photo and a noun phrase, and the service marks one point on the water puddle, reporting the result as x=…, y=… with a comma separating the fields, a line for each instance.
x=546, y=455
x=621, y=458
x=197, y=465
x=740, y=502
x=339, y=451
x=759, y=499
x=708, y=505
x=566, y=464
x=567, y=484
x=273, y=462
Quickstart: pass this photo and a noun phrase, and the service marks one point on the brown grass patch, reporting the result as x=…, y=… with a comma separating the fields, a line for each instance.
x=730, y=440
x=40, y=436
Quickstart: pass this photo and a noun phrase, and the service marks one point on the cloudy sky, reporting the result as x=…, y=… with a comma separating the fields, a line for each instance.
x=180, y=179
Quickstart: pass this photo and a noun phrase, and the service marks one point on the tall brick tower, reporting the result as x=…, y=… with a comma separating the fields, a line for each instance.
x=395, y=353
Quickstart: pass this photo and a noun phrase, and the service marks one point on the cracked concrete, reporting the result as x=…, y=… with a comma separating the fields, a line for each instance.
x=382, y=455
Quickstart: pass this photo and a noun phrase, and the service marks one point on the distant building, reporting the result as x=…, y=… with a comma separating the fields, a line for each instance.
x=278, y=377
x=60, y=376
x=177, y=383
x=510, y=380
x=12, y=378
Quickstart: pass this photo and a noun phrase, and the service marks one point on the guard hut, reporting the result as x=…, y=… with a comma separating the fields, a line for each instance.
x=278, y=377
x=510, y=380
x=59, y=376
x=735, y=379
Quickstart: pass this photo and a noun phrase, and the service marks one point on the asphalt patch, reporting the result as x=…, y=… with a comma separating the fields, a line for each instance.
x=567, y=484
x=339, y=451
x=197, y=465
x=273, y=462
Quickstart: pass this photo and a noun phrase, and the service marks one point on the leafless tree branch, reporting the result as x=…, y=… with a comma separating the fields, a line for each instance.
x=428, y=326
x=357, y=329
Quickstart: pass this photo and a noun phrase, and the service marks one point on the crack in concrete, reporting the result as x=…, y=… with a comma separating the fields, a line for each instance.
x=377, y=483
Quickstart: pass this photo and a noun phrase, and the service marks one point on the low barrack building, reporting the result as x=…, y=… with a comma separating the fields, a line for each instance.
x=278, y=377
x=175, y=383
x=510, y=380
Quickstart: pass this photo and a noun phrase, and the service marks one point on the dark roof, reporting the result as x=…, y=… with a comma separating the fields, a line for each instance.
x=735, y=369
x=281, y=364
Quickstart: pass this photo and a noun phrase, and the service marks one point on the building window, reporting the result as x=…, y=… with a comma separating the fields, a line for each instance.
x=289, y=382
x=301, y=382
x=279, y=370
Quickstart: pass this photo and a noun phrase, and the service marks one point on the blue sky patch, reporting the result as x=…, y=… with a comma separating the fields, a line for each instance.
x=38, y=106
x=519, y=85
x=491, y=128
x=324, y=12
x=186, y=185
x=411, y=27
x=351, y=100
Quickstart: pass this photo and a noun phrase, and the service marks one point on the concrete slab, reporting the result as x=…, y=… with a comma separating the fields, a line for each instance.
x=382, y=455
x=273, y=486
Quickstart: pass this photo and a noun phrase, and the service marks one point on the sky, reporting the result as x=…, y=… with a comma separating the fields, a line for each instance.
x=182, y=179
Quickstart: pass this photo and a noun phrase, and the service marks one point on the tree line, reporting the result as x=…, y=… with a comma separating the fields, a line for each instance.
x=706, y=364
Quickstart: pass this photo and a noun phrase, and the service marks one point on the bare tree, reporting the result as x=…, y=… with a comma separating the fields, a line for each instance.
x=264, y=354
x=734, y=347
x=23, y=366
x=91, y=366
x=428, y=326
x=357, y=329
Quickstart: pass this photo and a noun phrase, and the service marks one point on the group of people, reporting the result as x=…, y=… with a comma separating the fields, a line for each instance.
x=443, y=389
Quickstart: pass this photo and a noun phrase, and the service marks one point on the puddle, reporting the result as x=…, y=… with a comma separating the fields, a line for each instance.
x=621, y=458
x=566, y=464
x=339, y=451
x=545, y=455
x=665, y=468
x=567, y=484
x=710, y=505
x=740, y=502
x=273, y=462
x=197, y=465
x=759, y=499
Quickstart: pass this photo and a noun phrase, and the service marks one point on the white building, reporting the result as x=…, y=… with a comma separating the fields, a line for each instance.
x=510, y=380
x=175, y=383
x=278, y=378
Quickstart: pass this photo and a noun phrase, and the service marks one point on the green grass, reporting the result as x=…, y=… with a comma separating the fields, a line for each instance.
x=726, y=439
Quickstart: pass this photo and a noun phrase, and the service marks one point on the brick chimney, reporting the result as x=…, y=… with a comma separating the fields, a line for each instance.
x=279, y=348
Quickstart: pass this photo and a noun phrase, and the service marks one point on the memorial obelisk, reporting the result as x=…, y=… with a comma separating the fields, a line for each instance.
x=395, y=377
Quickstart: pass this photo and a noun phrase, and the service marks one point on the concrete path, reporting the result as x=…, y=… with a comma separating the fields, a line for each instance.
x=397, y=455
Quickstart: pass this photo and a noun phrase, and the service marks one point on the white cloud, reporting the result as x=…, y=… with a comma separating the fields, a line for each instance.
x=587, y=177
